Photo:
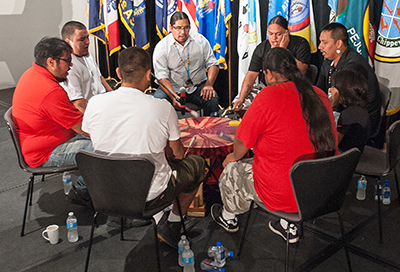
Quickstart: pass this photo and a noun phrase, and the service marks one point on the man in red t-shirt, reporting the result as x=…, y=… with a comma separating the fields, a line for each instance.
x=48, y=124
x=275, y=128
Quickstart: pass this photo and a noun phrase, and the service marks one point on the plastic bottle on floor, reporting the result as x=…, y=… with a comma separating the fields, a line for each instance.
x=181, y=247
x=218, y=252
x=188, y=260
x=72, y=226
x=67, y=182
x=386, y=193
x=361, y=188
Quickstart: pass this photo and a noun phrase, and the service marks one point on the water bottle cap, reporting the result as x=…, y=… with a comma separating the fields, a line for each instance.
x=219, y=243
x=222, y=270
x=70, y=213
x=386, y=182
x=183, y=237
x=230, y=253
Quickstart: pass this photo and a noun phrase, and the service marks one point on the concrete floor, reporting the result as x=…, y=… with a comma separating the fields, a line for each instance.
x=263, y=250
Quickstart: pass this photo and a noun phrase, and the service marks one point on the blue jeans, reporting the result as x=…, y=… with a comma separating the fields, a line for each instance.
x=209, y=106
x=64, y=154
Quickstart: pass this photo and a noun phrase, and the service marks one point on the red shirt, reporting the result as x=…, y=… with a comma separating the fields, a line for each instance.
x=275, y=128
x=43, y=114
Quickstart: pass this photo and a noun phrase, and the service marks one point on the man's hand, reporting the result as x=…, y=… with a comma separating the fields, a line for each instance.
x=176, y=104
x=285, y=40
x=238, y=105
x=207, y=92
x=228, y=159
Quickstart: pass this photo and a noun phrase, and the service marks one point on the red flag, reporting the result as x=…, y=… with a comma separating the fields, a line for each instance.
x=111, y=22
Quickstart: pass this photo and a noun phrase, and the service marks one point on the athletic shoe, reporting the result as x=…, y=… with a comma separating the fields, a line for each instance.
x=115, y=222
x=277, y=228
x=189, y=222
x=80, y=197
x=230, y=225
x=169, y=232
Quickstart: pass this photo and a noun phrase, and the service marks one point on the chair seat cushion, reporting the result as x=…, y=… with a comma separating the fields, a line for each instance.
x=373, y=162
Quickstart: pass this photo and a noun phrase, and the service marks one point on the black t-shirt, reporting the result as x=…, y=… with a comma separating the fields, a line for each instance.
x=354, y=124
x=298, y=46
x=351, y=60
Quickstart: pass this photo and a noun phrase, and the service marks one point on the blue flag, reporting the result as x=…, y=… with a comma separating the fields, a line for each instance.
x=133, y=16
x=164, y=10
x=213, y=17
x=96, y=20
x=278, y=7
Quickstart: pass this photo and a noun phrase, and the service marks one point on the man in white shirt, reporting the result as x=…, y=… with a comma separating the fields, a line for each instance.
x=84, y=79
x=137, y=124
x=180, y=60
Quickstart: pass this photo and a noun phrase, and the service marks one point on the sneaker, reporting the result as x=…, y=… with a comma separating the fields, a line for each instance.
x=230, y=225
x=80, y=197
x=115, y=222
x=169, y=233
x=189, y=222
x=277, y=228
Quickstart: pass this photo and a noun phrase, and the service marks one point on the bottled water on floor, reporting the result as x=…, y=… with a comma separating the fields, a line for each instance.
x=67, y=182
x=72, y=226
x=361, y=188
x=188, y=260
x=386, y=193
x=181, y=247
x=218, y=252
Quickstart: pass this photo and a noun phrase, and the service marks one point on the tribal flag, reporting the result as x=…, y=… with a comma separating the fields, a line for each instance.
x=164, y=10
x=249, y=35
x=213, y=17
x=133, y=16
x=111, y=22
x=278, y=7
x=189, y=7
x=96, y=20
x=387, y=52
x=300, y=23
x=333, y=5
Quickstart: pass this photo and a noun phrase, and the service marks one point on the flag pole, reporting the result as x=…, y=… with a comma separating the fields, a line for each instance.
x=229, y=109
x=109, y=78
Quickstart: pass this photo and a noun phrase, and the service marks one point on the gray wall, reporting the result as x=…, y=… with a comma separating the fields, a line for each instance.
x=23, y=23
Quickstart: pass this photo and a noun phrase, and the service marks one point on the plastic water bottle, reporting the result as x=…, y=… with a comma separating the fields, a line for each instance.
x=386, y=193
x=72, y=226
x=181, y=247
x=361, y=188
x=188, y=260
x=219, y=254
x=377, y=192
x=67, y=182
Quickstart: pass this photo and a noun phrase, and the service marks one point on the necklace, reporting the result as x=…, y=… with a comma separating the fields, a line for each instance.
x=188, y=82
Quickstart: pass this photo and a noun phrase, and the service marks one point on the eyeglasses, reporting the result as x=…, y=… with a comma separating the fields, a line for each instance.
x=68, y=61
x=179, y=28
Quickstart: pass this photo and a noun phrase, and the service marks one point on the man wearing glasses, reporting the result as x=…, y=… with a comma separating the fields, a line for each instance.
x=48, y=124
x=180, y=60
x=84, y=79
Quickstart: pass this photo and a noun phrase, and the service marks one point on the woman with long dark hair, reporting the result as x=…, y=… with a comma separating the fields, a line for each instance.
x=287, y=119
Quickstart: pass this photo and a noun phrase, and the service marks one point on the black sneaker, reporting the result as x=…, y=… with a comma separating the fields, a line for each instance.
x=189, y=222
x=230, y=225
x=80, y=197
x=115, y=222
x=277, y=228
x=169, y=232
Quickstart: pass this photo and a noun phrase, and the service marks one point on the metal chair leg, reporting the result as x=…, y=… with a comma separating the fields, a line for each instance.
x=379, y=192
x=90, y=241
x=122, y=228
x=344, y=242
x=181, y=215
x=245, y=230
x=43, y=178
x=28, y=195
x=287, y=247
x=31, y=192
x=156, y=244
x=397, y=185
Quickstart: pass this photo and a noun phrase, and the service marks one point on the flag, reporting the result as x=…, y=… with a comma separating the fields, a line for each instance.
x=164, y=10
x=189, y=7
x=300, y=21
x=333, y=5
x=249, y=35
x=387, y=52
x=133, y=16
x=278, y=7
x=96, y=20
x=111, y=23
x=213, y=17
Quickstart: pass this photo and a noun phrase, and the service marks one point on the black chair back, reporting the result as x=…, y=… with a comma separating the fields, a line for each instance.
x=320, y=185
x=393, y=144
x=118, y=186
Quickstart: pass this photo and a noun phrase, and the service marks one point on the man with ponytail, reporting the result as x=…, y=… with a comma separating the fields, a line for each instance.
x=287, y=119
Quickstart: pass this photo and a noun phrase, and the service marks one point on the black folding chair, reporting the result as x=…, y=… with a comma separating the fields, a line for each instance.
x=25, y=167
x=118, y=186
x=320, y=187
x=378, y=164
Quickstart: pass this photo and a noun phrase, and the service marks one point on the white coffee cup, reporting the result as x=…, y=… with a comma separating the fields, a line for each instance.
x=52, y=234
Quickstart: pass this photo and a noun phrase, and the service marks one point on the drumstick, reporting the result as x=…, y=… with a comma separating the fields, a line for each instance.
x=177, y=98
x=190, y=144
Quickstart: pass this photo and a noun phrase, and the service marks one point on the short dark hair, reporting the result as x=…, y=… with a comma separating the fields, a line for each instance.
x=338, y=32
x=178, y=15
x=280, y=21
x=68, y=30
x=352, y=87
x=50, y=48
x=133, y=62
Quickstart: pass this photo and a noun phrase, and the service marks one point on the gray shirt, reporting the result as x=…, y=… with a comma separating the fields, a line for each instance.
x=168, y=64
